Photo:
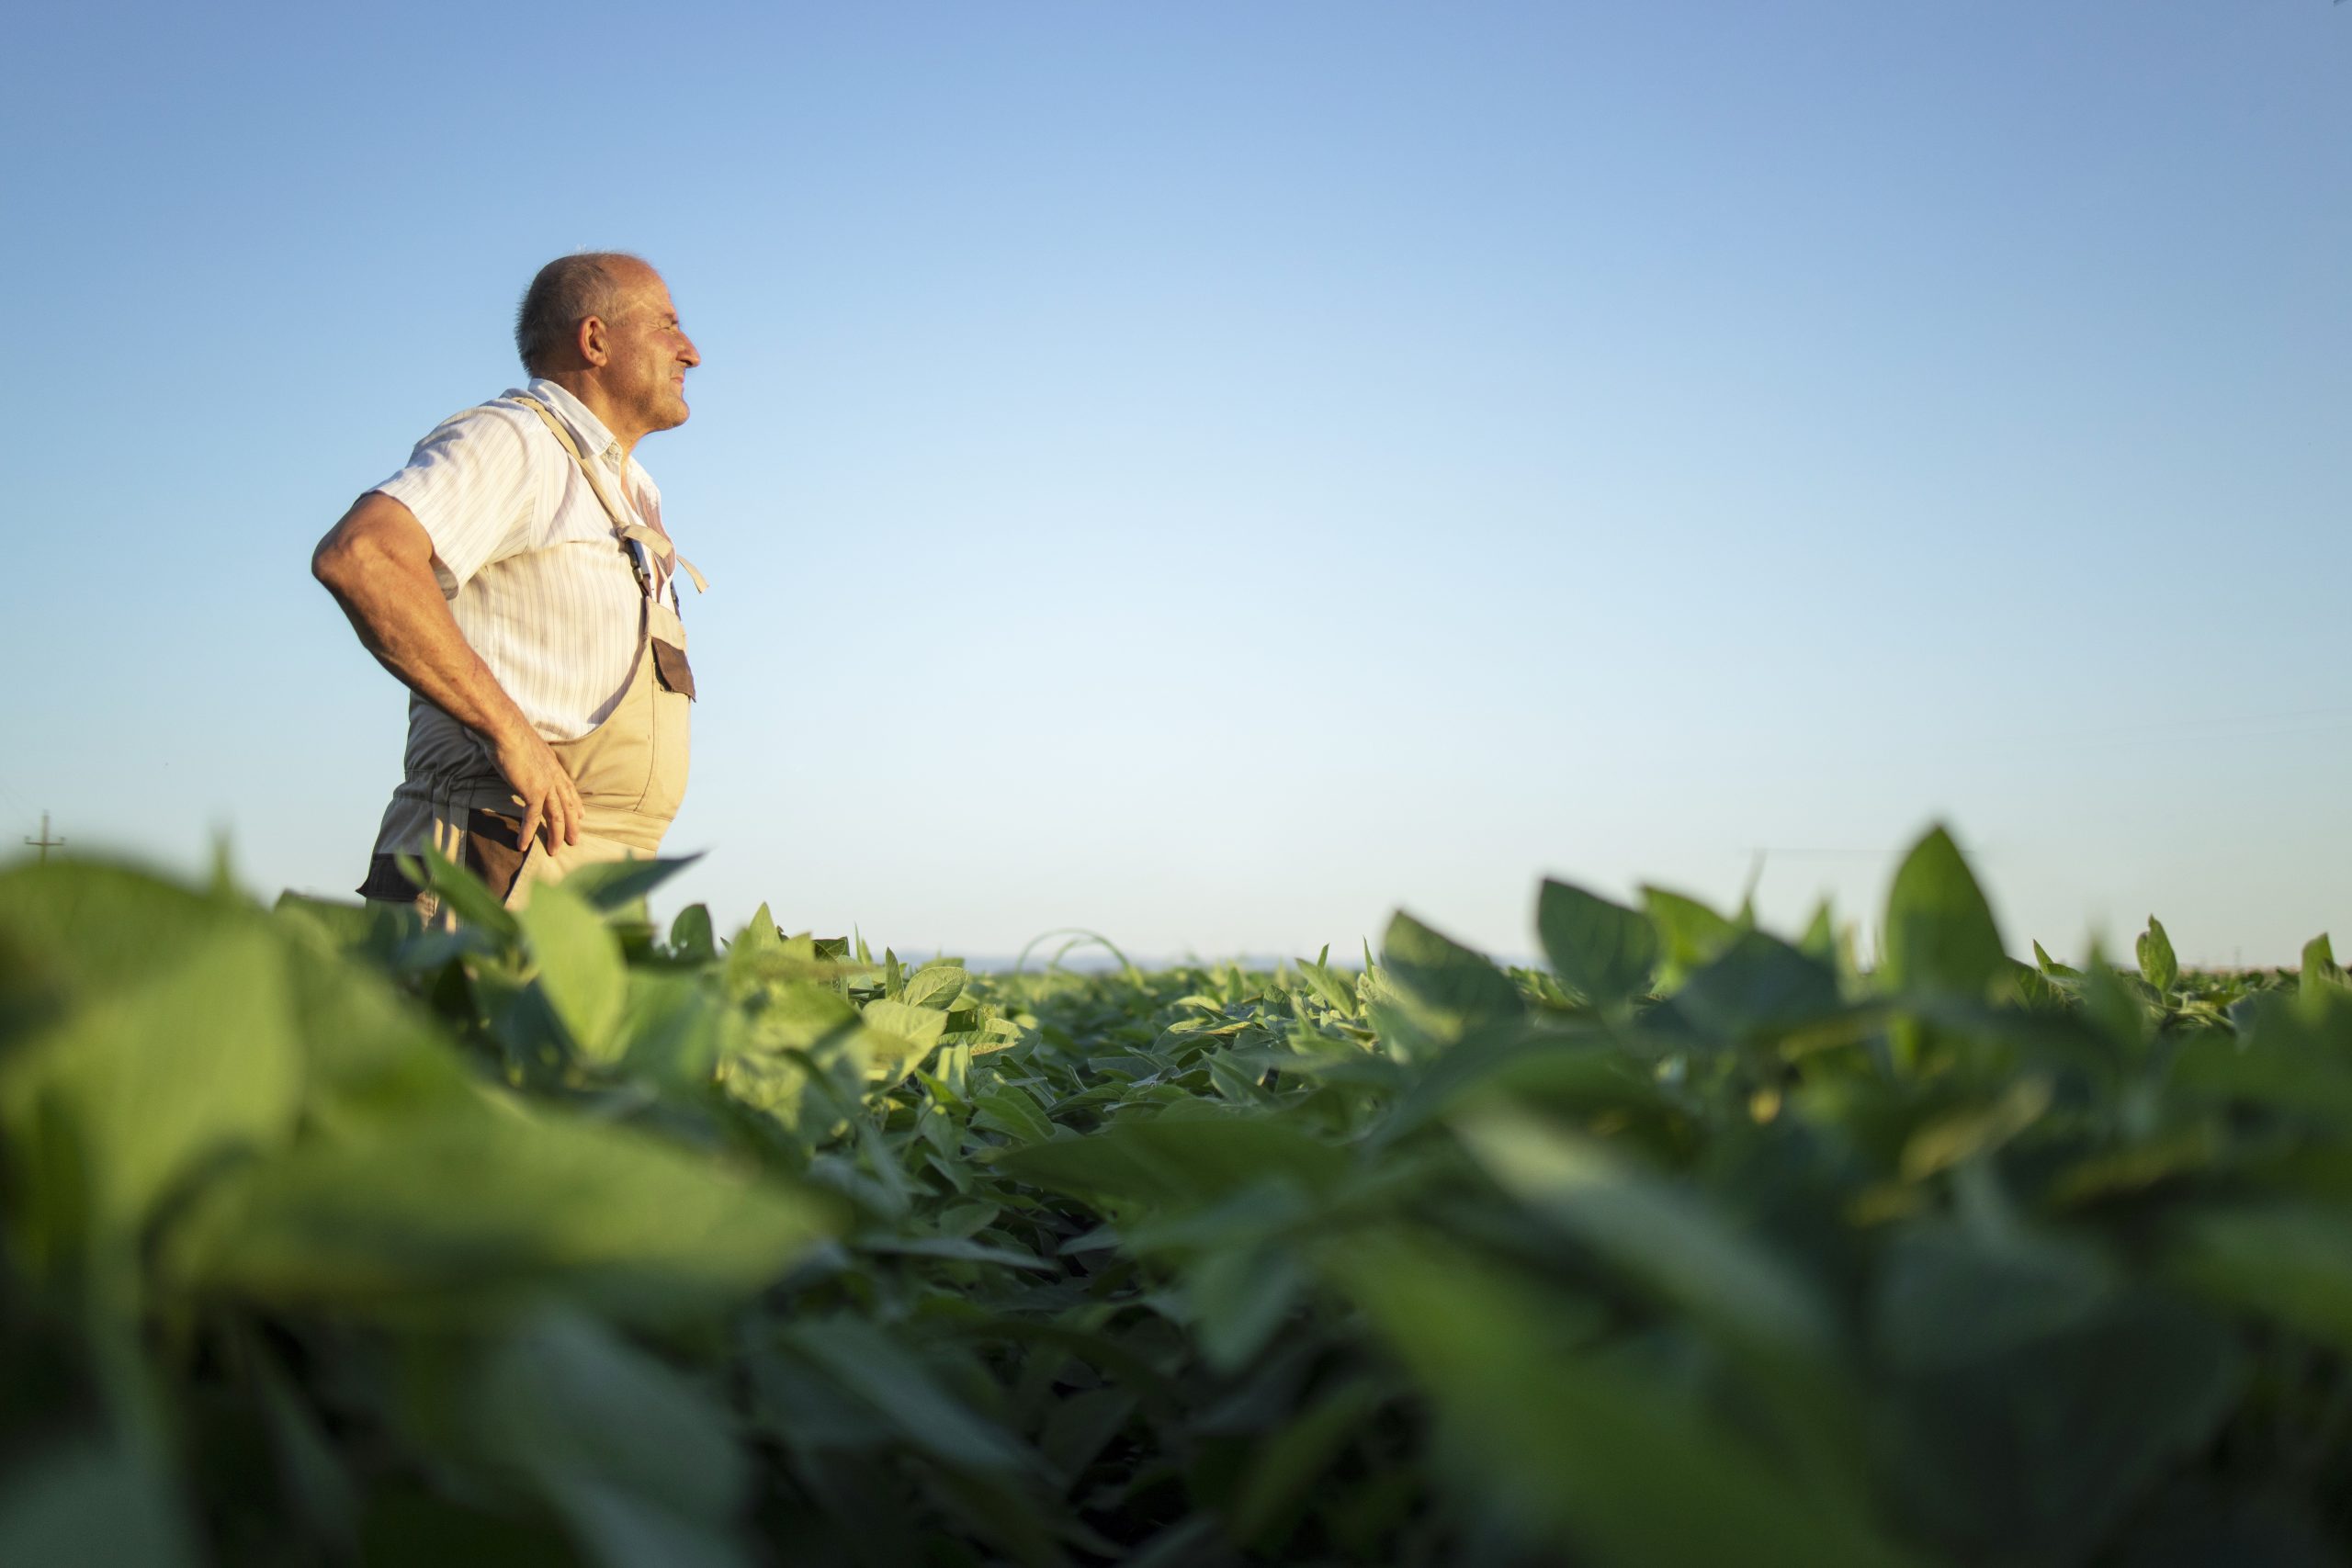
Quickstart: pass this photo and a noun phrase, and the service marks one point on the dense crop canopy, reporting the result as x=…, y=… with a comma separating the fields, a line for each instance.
x=550, y=1237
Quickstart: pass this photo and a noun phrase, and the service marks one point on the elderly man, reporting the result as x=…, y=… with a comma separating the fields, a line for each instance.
x=516, y=577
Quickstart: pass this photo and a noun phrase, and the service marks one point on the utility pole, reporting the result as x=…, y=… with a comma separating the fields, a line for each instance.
x=45, y=843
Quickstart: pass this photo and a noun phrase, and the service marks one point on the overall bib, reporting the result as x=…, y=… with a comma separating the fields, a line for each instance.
x=630, y=770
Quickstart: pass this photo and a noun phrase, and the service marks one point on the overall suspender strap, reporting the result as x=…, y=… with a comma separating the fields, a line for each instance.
x=654, y=542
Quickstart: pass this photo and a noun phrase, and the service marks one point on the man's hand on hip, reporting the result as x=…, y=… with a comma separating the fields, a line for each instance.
x=549, y=799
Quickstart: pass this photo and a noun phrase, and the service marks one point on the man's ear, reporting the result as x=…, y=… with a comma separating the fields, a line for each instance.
x=590, y=340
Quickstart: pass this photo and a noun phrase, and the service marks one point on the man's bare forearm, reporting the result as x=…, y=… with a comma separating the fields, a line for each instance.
x=378, y=563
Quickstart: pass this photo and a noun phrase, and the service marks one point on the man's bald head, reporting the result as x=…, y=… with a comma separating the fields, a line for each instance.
x=567, y=291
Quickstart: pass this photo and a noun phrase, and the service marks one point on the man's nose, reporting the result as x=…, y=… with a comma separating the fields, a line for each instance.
x=692, y=356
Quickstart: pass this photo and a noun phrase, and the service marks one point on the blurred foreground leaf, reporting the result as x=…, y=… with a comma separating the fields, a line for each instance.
x=478, y=1212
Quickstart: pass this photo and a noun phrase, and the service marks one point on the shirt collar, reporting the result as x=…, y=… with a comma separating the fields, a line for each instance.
x=586, y=428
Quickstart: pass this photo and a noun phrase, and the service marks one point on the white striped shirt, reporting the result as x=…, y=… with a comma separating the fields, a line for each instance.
x=525, y=555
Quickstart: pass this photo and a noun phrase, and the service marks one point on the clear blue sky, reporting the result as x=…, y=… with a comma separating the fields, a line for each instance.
x=1214, y=472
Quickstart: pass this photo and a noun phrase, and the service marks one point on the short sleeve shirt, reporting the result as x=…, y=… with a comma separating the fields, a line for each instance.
x=540, y=586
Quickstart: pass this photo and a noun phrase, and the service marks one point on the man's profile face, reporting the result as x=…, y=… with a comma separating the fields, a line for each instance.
x=648, y=355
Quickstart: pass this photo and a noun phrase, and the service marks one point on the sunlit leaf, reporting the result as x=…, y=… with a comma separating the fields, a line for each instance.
x=1939, y=930
x=2158, y=964
x=145, y=1084
x=578, y=962
x=466, y=1217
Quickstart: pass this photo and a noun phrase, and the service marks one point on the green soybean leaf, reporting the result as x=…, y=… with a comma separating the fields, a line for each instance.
x=1947, y=1299
x=1240, y=1297
x=1689, y=932
x=2117, y=1008
x=2319, y=969
x=2297, y=1061
x=85, y=927
x=462, y=894
x=141, y=1086
x=673, y=1028
x=1819, y=941
x=1584, y=1453
x=1662, y=1238
x=1443, y=989
x=2030, y=1445
x=1604, y=951
x=882, y=1374
x=934, y=986
x=614, y=885
x=641, y=1463
x=2291, y=1263
x=1009, y=1110
x=1176, y=1158
x=690, y=937
x=2051, y=966
x=578, y=961
x=344, y=924
x=954, y=1249
x=1939, y=930
x=919, y=1026
x=1974, y=1129
x=2158, y=964
x=1757, y=988
x=1291, y=1458
x=1336, y=989
x=757, y=949
x=471, y=1215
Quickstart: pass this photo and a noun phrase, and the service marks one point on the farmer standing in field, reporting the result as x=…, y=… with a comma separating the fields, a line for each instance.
x=516, y=577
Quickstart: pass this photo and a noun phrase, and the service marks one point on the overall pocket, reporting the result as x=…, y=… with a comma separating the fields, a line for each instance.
x=671, y=668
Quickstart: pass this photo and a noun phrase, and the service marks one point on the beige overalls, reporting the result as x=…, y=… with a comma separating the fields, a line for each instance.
x=630, y=770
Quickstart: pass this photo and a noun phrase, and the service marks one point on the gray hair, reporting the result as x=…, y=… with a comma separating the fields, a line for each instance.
x=567, y=291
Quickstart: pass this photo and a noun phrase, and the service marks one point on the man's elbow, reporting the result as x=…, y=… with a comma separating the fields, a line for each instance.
x=352, y=551
x=378, y=555
x=351, y=568
x=331, y=564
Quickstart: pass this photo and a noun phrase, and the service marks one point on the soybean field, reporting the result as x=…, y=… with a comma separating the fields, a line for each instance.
x=555, y=1236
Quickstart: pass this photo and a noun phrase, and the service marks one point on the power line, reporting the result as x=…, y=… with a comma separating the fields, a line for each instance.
x=19, y=800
